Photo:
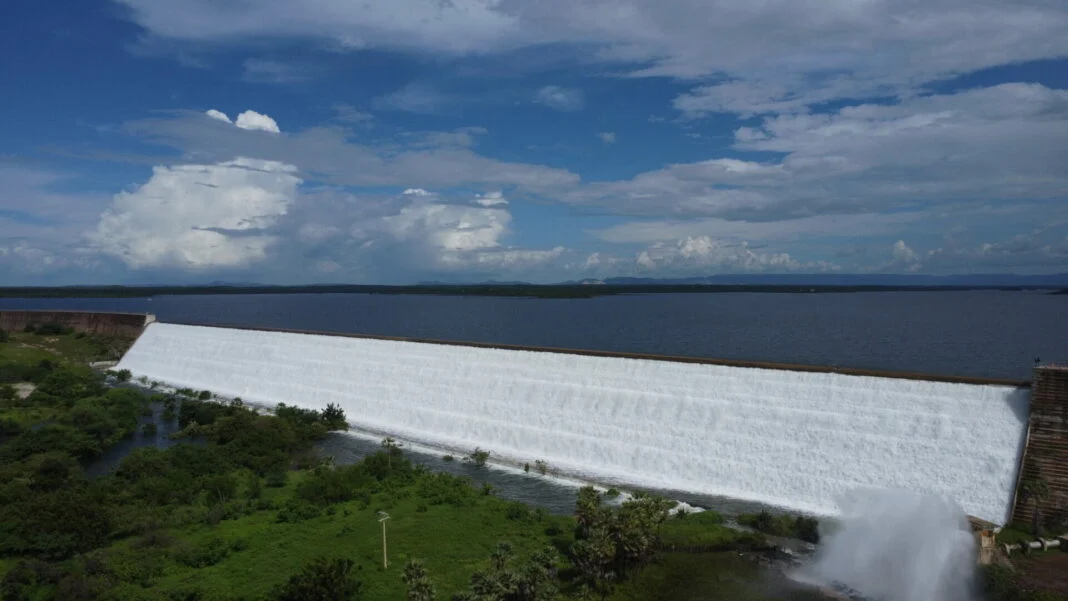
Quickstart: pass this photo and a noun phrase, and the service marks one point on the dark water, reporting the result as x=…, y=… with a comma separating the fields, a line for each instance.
x=112, y=458
x=548, y=493
x=973, y=333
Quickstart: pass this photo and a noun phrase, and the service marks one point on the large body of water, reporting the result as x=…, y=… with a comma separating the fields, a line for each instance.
x=972, y=333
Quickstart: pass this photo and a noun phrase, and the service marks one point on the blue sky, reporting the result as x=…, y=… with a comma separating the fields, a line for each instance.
x=151, y=141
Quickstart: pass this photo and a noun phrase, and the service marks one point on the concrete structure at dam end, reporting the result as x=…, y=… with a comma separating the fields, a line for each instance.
x=1045, y=458
x=126, y=325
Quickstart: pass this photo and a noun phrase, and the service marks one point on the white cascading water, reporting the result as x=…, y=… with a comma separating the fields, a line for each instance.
x=792, y=439
x=898, y=545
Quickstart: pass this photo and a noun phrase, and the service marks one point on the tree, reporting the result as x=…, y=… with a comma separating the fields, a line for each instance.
x=123, y=375
x=479, y=456
x=587, y=511
x=594, y=557
x=323, y=580
x=334, y=417
x=415, y=577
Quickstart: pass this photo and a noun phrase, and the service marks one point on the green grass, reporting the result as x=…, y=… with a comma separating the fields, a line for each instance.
x=704, y=530
x=452, y=541
x=31, y=348
x=1011, y=535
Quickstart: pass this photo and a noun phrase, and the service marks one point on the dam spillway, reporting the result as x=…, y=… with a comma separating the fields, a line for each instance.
x=795, y=439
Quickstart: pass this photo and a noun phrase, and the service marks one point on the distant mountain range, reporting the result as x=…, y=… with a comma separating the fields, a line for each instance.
x=842, y=279
x=1057, y=280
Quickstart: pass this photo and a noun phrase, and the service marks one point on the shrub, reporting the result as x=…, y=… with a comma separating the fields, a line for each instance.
x=479, y=456
x=4, y=336
x=277, y=478
x=611, y=493
x=541, y=466
x=445, y=458
x=205, y=554
x=149, y=429
x=517, y=511
x=205, y=395
x=807, y=529
x=296, y=510
x=322, y=580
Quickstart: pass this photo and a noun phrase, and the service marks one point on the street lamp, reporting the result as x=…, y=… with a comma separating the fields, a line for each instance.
x=382, y=517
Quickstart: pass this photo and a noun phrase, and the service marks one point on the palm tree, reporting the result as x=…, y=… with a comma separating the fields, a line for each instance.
x=420, y=588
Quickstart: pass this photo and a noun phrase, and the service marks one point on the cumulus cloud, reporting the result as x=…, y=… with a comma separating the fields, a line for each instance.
x=248, y=120
x=255, y=121
x=198, y=216
x=219, y=115
x=703, y=253
x=561, y=99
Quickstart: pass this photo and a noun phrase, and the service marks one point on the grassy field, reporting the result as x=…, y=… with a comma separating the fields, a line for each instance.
x=452, y=541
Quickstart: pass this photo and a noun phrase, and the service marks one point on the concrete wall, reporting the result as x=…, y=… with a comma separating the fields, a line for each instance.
x=105, y=324
x=1046, y=454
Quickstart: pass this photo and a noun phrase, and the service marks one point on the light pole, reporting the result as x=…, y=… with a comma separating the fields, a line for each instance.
x=382, y=517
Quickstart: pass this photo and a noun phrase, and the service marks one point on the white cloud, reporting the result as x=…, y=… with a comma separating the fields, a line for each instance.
x=777, y=54
x=561, y=99
x=822, y=226
x=330, y=156
x=1004, y=142
x=252, y=120
x=216, y=114
x=198, y=216
x=347, y=113
x=491, y=199
x=263, y=70
x=413, y=98
x=703, y=254
x=607, y=137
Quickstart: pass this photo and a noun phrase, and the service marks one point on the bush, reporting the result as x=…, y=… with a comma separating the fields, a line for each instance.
x=277, y=479
x=541, y=466
x=322, y=580
x=205, y=395
x=479, y=456
x=296, y=510
x=207, y=553
x=4, y=336
x=517, y=511
x=149, y=429
x=445, y=458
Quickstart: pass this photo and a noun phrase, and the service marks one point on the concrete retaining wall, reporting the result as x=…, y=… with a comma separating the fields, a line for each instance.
x=128, y=325
x=1046, y=455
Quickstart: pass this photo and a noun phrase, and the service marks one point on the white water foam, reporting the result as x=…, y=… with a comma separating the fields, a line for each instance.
x=798, y=440
x=896, y=545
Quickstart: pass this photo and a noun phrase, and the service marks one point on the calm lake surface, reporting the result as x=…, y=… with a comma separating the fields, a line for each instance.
x=973, y=333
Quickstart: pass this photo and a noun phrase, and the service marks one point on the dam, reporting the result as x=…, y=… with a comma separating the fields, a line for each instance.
x=800, y=439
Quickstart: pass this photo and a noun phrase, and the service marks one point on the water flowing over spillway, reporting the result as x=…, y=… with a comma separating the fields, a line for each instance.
x=799, y=440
